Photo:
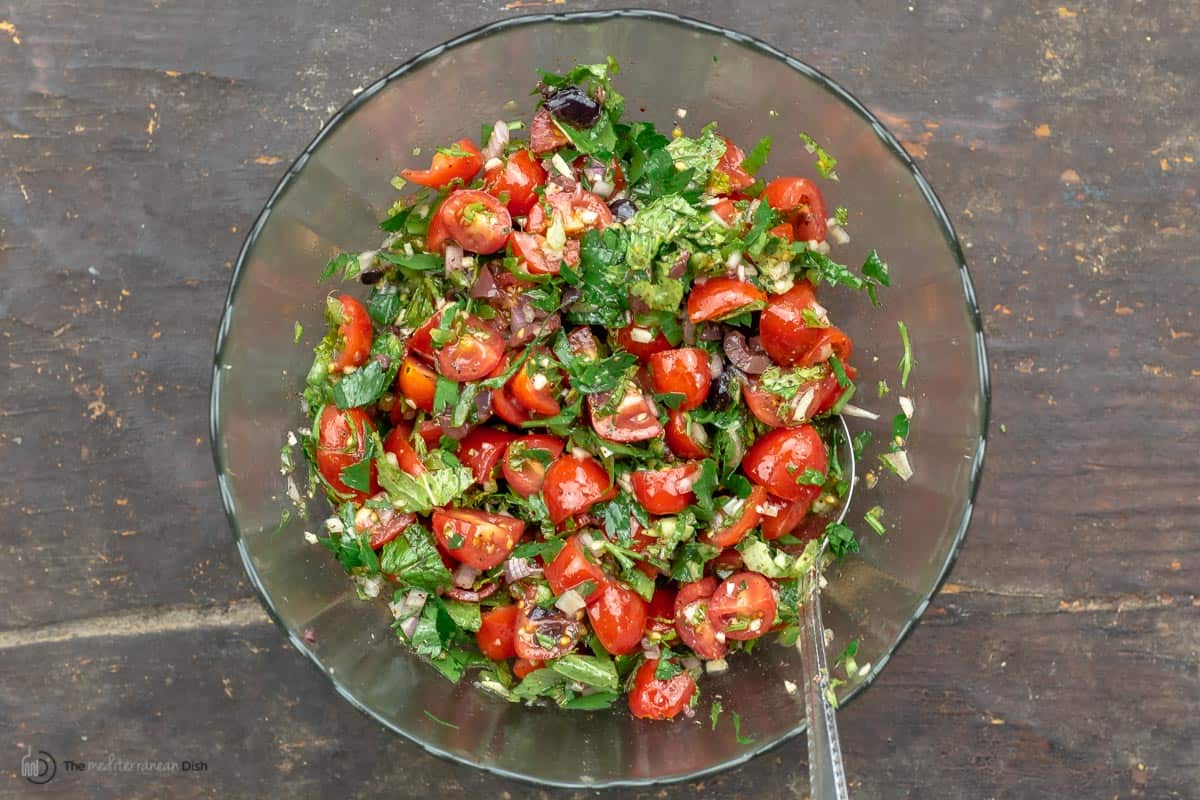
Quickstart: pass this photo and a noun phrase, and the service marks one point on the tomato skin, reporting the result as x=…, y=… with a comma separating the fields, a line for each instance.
x=508, y=409
x=692, y=622
x=634, y=420
x=519, y=175
x=437, y=234
x=473, y=354
x=355, y=333
x=651, y=698
x=618, y=616
x=384, y=526
x=748, y=517
x=574, y=484
x=660, y=614
x=544, y=135
x=665, y=491
x=476, y=220
x=718, y=298
x=684, y=439
x=421, y=341
x=528, y=478
x=643, y=350
x=524, y=666
x=534, y=254
x=572, y=566
x=768, y=460
x=430, y=432
x=726, y=210
x=743, y=598
x=579, y=209
x=446, y=168
x=397, y=443
x=784, y=231
x=789, y=515
x=525, y=389
x=728, y=176
x=496, y=636
x=342, y=442
x=487, y=539
x=801, y=203
x=482, y=448
x=789, y=340
x=728, y=559
x=417, y=382
x=684, y=371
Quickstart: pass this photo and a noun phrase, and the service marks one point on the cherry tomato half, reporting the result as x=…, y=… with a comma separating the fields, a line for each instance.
x=523, y=466
x=634, y=420
x=643, y=350
x=729, y=177
x=475, y=351
x=482, y=448
x=740, y=519
x=532, y=387
x=355, y=333
x=683, y=371
x=418, y=383
x=508, y=409
x=579, y=210
x=544, y=633
x=618, y=616
x=477, y=538
x=665, y=491
x=398, y=444
x=780, y=456
x=719, y=298
x=535, y=255
x=788, y=515
x=743, y=606
x=524, y=666
x=692, y=622
x=660, y=614
x=519, y=176
x=476, y=220
x=342, y=436
x=544, y=135
x=573, y=565
x=574, y=484
x=800, y=202
x=496, y=634
x=651, y=698
x=789, y=340
x=461, y=163
x=686, y=439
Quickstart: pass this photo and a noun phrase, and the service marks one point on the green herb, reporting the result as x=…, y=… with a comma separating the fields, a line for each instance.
x=841, y=539
x=589, y=670
x=591, y=702
x=384, y=304
x=640, y=582
x=347, y=264
x=297, y=333
x=689, y=561
x=755, y=159
x=714, y=713
x=881, y=388
x=454, y=541
x=592, y=376
x=439, y=720
x=703, y=486
x=839, y=371
x=841, y=215
x=667, y=667
x=737, y=730
x=812, y=320
x=900, y=427
x=357, y=476
x=906, y=360
x=539, y=683
x=860, y=441
x=873, y=518
x=811, y=477
x=465, y=615
x=826, y=164
x=445, y=394
x=547, y=549
x=424, y=492
x=619, y=515
x=418, y=262
x=761, y=557
x=875, y=269
x=414, y=559
x=361, y=387
x=1003, y=428
x=700, y=156
x=787, y=383
x=847, y=657
x=602, y=278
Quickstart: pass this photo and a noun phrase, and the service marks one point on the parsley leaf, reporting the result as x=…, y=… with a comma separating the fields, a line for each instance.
x=737, y=730
x=906, y=361
x=689, y=561
x=347, y=264
x=414, y=559
x=601, y=278
x=755, y=159
x=384, y=304
x=841, y=539
x=421, y=494
x=826, y=164
x=714, y=713
x=361, y=387
x=589, y=670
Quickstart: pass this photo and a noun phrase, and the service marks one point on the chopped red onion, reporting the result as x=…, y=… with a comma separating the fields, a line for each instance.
x=454, y=258
x=409, y=610
x=497, y=141
x=465, y=575
x=485, y=284
x=570, y=602
x=516, y=569
x=651, y=649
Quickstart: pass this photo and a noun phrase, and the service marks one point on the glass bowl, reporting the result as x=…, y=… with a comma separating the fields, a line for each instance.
x=332, y=198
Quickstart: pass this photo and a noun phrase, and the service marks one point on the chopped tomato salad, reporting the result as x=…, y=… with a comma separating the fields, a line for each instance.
x=578, y=429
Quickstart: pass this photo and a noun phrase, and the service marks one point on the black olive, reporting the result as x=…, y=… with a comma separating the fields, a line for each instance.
x=720, y=394
x=573, y=106
x=622, y=209
x=372, y=276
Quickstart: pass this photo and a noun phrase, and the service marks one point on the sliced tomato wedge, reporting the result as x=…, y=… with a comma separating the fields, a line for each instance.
x=474, y=353
x=737, y=518
x=532, y=385
x=665, y=491
x=720, y=298
x=544, y=135
x=660, y=615
x=574, y=565
x=496, y=636
x=691, y=619
x=476, y=220
x=524, y=666
x=729, y=177
x=458, y=163
x=788, y=516
x=687, y=439
x=779, y=457
x=477, y=538
x=518, y=178
x=788, y=338
x=481, y=450
x=726, y=210
x=535, y=255
x=525, y=462
x=417, y=383
x=683, y=371
x=618, y=616
x=342, y=436
x=574, y=483
x=800, y=203
x=743, y=606
x=579, y=210
x=634, y=420
x=354, y=333
x=630, y=339
x=398, y=444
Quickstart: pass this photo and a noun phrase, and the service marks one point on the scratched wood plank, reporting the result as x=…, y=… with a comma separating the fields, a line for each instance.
x=137, y=141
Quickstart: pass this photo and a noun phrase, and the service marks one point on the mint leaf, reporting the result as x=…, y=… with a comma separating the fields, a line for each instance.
x=413, y=558
x=589, y=670
x=361, y=387
x=757, y=157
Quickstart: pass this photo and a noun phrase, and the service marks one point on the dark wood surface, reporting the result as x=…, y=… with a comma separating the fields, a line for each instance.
x=139, y=138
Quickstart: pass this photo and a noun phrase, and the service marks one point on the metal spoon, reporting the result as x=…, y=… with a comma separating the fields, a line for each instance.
x=826, y=771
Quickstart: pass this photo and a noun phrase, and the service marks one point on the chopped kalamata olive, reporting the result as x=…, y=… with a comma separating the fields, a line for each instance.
x=574, y=106
x=720, y=393
x=622, y=209
x=372, y=276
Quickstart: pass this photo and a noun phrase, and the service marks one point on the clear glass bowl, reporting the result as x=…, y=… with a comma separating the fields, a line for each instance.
x=332, y=198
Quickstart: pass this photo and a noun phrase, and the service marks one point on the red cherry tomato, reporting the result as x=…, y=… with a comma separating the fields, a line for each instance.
x=800, y=202
x=618, y=616
x=692, y=622
x=430, y=432
x=483, y=540
x=684, y=371
x=643, y=350
x=726, y=210
x=438, y=233
x=476, y=220
x=574, y=484
x=728, y=560
x=789, y=340
x=544, y=135
x=418, y=383
x=780, y=456
x=634, y=420
x=743, y=606
x=524, y=666
x=739, y=521
x=355, y=333
x=532, y=387
x=495, y=636
x=665, y=491
x=384, y=525
x=397, y=443
x=544, y=633
x=523, y=470
x=475, y=351
x=686, y=439
x=729, y=177
x=788, y=515
x=660, y=614
x=508, y=409
x=784, y=231
x=446, y=167
x=719, y=298
x=519, y=176
x=573, y=565
x=342, y=436
x=651, y=698
x=482, y=448
x=535, y=255
x=421, y=341
x=579, y=209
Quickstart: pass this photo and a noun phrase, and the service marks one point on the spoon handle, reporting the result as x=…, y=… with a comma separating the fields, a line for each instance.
x=826, y=771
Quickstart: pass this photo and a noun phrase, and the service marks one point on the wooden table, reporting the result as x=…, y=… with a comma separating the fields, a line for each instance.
x=139, y=139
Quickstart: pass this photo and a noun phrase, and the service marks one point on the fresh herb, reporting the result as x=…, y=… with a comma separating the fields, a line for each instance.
x=714, y=713
x=860, y=441
x=601, y=278
x=357, y=476
x=906, y=360
x=418, y=262
x=667, y=666
x=588, y=670
x=465, y=615
x=384, y=304
x=361, y=387
x=786, y=384
x=445, y=394
x=414, y=559
x=591, y=702
x=737, y=730
x=826, y=164
x=439, y=720
x=761, y=557
x=757, y=156
x=847, y=657
x=689, y=561
x=841, y=539
x=873, y=517
x=841, y=215
x=704, y=484
x=297, y=333
x=592, y=376
x=881, y=388
x=438, y=486
x=811, y=477
x=347, y=264
x=900, y=427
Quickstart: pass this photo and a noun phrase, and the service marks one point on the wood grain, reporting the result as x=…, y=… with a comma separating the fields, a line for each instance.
x=137, y=141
